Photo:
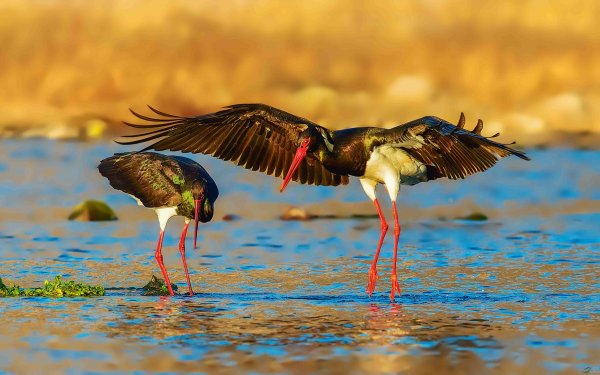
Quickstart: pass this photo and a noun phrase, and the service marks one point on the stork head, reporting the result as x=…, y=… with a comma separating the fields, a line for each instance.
x=307, y=142
x=205, y=195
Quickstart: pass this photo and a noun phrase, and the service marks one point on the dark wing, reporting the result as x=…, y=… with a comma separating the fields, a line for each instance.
x=148, y=176
x=255, y=136
x=448, y=150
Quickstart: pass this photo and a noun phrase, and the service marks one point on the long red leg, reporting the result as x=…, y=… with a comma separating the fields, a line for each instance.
x=159, y=259
x=182, y=252
x=373, y=270
x=395, y=285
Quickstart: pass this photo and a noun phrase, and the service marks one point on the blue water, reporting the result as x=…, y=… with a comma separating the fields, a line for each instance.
x=519, y=293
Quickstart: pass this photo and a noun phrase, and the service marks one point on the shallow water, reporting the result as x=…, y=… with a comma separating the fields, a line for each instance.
x=519, y=293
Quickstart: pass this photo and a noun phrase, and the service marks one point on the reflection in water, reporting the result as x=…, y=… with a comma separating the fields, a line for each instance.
x=368, y=335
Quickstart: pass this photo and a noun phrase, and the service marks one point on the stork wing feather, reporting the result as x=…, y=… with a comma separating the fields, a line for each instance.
x=255, y=136
x=147, y=176
x=448, y=150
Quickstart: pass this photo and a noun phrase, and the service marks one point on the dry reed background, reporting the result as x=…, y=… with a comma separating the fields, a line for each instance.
x=525, y=67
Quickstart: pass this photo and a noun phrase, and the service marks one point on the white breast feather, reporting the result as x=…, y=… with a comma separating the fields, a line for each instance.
x=387, y=159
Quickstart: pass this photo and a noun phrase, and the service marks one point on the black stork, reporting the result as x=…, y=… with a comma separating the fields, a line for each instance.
x=269, y=140
x=171, y=186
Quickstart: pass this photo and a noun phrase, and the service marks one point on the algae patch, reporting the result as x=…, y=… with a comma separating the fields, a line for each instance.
x=157, y=287
x=55, y=288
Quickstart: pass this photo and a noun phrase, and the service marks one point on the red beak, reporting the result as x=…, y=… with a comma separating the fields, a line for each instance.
x=196, y=208
x=300, y=154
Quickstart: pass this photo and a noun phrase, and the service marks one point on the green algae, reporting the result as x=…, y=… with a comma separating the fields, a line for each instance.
x=157, y=287
x=55, y=288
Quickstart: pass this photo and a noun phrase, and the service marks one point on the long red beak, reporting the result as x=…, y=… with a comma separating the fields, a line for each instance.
x=300, y=154
x=196, y=208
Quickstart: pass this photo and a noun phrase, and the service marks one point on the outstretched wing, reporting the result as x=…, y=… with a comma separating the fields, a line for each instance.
x=449, y=150
x=255, y=136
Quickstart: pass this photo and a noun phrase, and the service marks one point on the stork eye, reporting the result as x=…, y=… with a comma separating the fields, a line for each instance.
x=304, y=142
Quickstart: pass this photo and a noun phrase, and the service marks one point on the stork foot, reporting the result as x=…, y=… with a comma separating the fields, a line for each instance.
x=372, y=281
x=395, y=287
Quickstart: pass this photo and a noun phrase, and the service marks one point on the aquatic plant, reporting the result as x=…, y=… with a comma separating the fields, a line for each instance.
x=5, y=291
x=157, y=287
x=55, y=288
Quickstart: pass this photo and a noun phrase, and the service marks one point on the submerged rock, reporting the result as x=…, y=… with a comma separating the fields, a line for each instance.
x=92, y=210
x=157, y=287
x=475, y=216
x=296, y=213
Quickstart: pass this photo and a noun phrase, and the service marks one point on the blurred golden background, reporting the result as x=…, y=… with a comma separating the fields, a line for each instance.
x=530, y=69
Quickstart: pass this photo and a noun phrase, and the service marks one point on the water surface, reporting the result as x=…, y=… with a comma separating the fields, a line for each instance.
x=519, y=293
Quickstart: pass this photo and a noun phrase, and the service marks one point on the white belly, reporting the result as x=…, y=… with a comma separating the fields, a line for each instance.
x=164, y=214
x=387, y=163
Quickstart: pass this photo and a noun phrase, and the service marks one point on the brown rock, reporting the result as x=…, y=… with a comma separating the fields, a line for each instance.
x=296, y=213
x=231, y=217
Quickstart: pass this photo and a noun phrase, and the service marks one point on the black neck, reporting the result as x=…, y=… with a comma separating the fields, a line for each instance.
x=347, y=152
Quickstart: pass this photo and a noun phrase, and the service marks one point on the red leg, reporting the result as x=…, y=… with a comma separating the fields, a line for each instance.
x=395, y=285
x=373, y=270
x=159, y=259
x=182, y=252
